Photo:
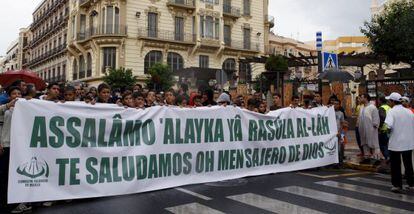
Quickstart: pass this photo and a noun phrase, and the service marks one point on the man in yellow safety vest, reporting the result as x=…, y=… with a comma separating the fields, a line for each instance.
x=383, y=130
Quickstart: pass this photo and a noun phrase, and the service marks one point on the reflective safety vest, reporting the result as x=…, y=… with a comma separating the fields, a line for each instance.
x=386, y=107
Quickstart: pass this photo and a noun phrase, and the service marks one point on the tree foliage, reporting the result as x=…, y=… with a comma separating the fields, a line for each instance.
x=391, y=34
x=120, y=78
x=261, y=83
x=161, y=77
x=276, y=63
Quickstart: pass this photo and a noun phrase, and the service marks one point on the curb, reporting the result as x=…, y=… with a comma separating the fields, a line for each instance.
x=362, y=167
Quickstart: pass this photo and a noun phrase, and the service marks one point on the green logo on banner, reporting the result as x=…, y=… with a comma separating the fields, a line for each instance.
x=34, y=169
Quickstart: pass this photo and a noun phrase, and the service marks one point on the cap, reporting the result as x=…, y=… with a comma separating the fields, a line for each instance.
x=223, y=98
x=394, y=96
x=406, y=99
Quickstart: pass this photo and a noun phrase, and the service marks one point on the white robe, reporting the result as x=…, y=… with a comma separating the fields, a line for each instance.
x=368, y=118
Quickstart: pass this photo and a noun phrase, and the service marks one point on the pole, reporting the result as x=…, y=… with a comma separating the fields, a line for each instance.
x=320, y=62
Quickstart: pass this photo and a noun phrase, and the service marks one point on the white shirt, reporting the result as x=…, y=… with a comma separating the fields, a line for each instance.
x=401, y=122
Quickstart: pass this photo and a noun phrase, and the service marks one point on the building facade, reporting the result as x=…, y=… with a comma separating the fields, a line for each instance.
x=279, y=45
x=11, y=61
x=347, y=44
x=45, y=51
x=198, y=35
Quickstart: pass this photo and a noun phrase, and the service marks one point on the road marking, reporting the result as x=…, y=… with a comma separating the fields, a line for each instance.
x=334, y=176
x=371, y=181
x=271, y=204
x=341, y=200
x=193, y=208
x=382, y=176
x=368, y=191
x=194, y=194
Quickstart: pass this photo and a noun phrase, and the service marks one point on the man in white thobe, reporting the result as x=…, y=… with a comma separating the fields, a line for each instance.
x=368, y=124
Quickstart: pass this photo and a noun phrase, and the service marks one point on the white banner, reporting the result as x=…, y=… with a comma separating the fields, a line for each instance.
x=74, y=150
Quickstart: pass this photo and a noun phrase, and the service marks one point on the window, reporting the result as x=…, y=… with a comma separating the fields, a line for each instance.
x=179, y=29
x=246, y=7
x=89, y=65
x=217, y=29
x=245, y=72
x=175, y=61
x=109, y=58
x=82, y=26
x=229, y=65
x=203, y=61
x=64, y=72
x=81, y=67
x=152, y=24
x=152, y=58
x=117, y=21
x=209, y=27
x=110, y=20
x=74, y=70
x=227, y=35
x=59, y=77
x=246, y=38
x=73, y=27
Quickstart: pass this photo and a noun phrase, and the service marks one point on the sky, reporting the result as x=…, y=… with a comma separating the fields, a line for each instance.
x=299, y=19
x=14, y=14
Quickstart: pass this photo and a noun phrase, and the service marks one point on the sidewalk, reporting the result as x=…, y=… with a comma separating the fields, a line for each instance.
x=352, y=160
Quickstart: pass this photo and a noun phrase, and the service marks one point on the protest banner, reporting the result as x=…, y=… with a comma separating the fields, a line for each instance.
x=74, y=150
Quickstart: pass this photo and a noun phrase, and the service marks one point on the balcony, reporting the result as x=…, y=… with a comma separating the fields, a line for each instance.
x=270, y=20
x=38, y=21
x=166, y=36
x=231, y=12
x=48, y=31
x=182, y=4
x=107, y=31
x=242, y=45
x=48, y=55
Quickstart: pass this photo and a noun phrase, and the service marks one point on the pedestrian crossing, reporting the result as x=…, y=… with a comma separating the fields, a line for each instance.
x=319, y=191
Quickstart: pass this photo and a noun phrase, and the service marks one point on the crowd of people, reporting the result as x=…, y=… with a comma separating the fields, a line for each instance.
x=383, y=126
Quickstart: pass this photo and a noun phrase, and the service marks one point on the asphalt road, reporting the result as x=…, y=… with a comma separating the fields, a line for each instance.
x=323, y=191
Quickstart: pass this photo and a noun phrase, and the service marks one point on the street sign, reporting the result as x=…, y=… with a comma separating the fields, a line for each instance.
x=319, y=41
x=330, y=61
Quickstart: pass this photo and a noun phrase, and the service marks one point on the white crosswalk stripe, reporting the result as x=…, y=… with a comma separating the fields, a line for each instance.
x=368, y=191
x=371, y=181
x=341, y=200
x=271, y=204
x=382, y=176
x=193, y=208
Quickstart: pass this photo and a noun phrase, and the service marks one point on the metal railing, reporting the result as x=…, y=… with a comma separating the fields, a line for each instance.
x=243, y=45
x=166, y=35
x=230, y=10
x=185, y=3
x=107, y=30
x=48, y=54
x=47, y=13
x=48, y=31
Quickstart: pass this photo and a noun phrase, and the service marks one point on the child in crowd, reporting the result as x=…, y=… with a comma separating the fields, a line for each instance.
x=104, y=93
x=128, y=100
x=70, y=93
x=139, y=100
